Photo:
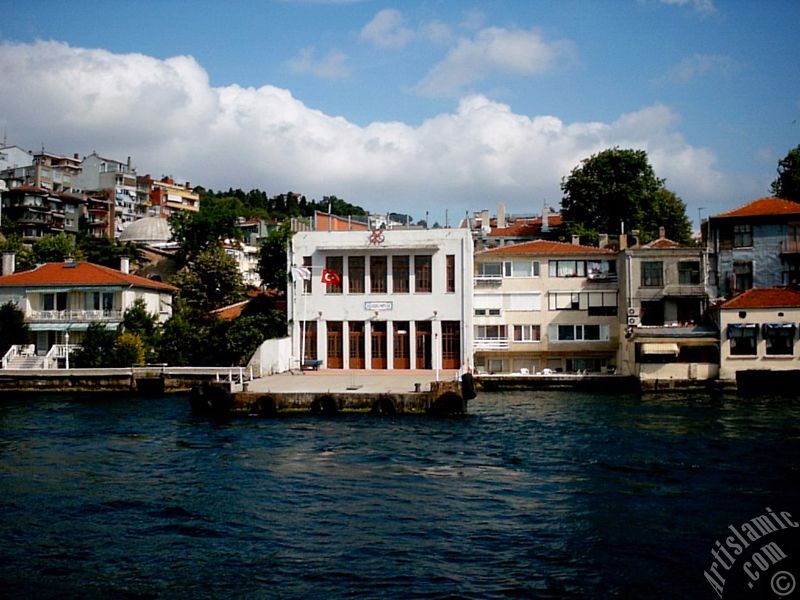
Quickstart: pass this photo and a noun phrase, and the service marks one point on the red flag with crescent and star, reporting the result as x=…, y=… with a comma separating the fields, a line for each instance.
x=330, y=278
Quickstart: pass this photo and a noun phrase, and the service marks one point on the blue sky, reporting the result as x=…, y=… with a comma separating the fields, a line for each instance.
x=410, y=106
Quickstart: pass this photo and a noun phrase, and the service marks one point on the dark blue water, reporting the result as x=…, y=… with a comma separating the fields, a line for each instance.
x=543, y=495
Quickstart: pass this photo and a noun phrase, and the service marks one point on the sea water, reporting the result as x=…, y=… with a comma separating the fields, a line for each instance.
x=532, y=494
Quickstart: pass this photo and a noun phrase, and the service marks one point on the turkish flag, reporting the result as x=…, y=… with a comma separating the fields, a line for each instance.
x=330, y=278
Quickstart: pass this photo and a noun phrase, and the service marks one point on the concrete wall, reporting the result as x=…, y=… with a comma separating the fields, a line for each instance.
x=678, y=371
x=273, y=356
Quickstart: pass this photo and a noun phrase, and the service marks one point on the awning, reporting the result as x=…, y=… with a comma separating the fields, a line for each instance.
x=733, y=328
x=660, y=348
x=778, y=326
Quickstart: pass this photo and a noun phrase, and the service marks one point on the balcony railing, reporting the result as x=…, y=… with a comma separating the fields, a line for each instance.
x=491, y=344
x=60, y=316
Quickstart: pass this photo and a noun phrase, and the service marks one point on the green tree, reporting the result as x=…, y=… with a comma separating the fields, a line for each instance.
x=106, y=252
x=184, y=340
x=97, y=348
x=619, y=186
x=24, y=259
x=787, y=184
x=128, y=350
x=272, y=257
x=55, y=248
x=137, y=320
x=241, y=337
x=13, y=328
x=216, y=220
x=212, y=280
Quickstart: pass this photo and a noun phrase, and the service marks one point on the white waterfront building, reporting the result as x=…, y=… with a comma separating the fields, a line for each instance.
x=394, y=299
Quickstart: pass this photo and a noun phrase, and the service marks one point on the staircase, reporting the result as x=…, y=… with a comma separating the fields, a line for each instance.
x=26, y=362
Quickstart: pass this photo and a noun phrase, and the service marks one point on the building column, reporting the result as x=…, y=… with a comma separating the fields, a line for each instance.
x=368, y=344
x=345, y=344
x=389, y=345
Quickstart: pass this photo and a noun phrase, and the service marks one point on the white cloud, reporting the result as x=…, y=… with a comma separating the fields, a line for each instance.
x=493, y=50
x=387, y=29
x=701, y=6
x=332, y=66
x=166, y=116
x=699, y=65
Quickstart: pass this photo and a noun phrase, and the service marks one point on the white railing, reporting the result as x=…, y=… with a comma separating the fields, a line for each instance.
x=491, y=344
x=58, y=352
x=76, y=315
x=17, y=350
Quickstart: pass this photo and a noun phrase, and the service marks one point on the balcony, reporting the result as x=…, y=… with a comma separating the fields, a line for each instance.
x=484, y=281
x=75, y=316
x=490, y=344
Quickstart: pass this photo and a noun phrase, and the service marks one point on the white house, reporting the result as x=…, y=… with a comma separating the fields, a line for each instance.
x=382, y=299
x=61, y=300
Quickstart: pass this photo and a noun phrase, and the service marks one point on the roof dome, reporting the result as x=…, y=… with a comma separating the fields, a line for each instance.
x=149, y=230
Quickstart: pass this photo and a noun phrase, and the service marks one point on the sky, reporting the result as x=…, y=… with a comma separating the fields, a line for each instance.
x=418, y=106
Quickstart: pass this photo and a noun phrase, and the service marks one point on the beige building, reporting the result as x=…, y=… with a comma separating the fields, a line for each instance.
x=758, y=331
x=544, y=306
x=664, y=337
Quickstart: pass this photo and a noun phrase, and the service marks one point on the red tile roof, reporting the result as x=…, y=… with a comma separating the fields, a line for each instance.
x=765, y=298
x=81, y=274
x=763, y=207
x=536, y=247
x=662, y=243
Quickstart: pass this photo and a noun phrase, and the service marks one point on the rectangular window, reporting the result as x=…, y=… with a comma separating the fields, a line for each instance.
x=307, y=282
x=602, y=304
x=519, y=301
x=451, y=273
x=333, y=264
x=527, y=333
x=779, y=339
x=652, y=273
x=742, y=276
x=422, y=274
x=356, y=339
x=490, y=332
x=744, y=340
x=521, y=268
x=575, y=333
x=601, y=269
x=377, y=274
x=567, y=268
x=310, y=350
x=400, y=274
x=743, y=235
x=564, y=301
x=355, y=275
x=689, y=272
x=489, y=270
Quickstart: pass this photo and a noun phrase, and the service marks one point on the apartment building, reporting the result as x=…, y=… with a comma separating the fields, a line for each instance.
x=755, y=245
x=119, y=180
x=382, y=299
x=545, y=306
x=164, y=197
x=665, y=298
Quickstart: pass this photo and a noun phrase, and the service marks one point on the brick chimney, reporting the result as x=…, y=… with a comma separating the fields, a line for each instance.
x=662, y=232
x=501, y=216
x=9, y=263
x=576, y=240
x=125, y=264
